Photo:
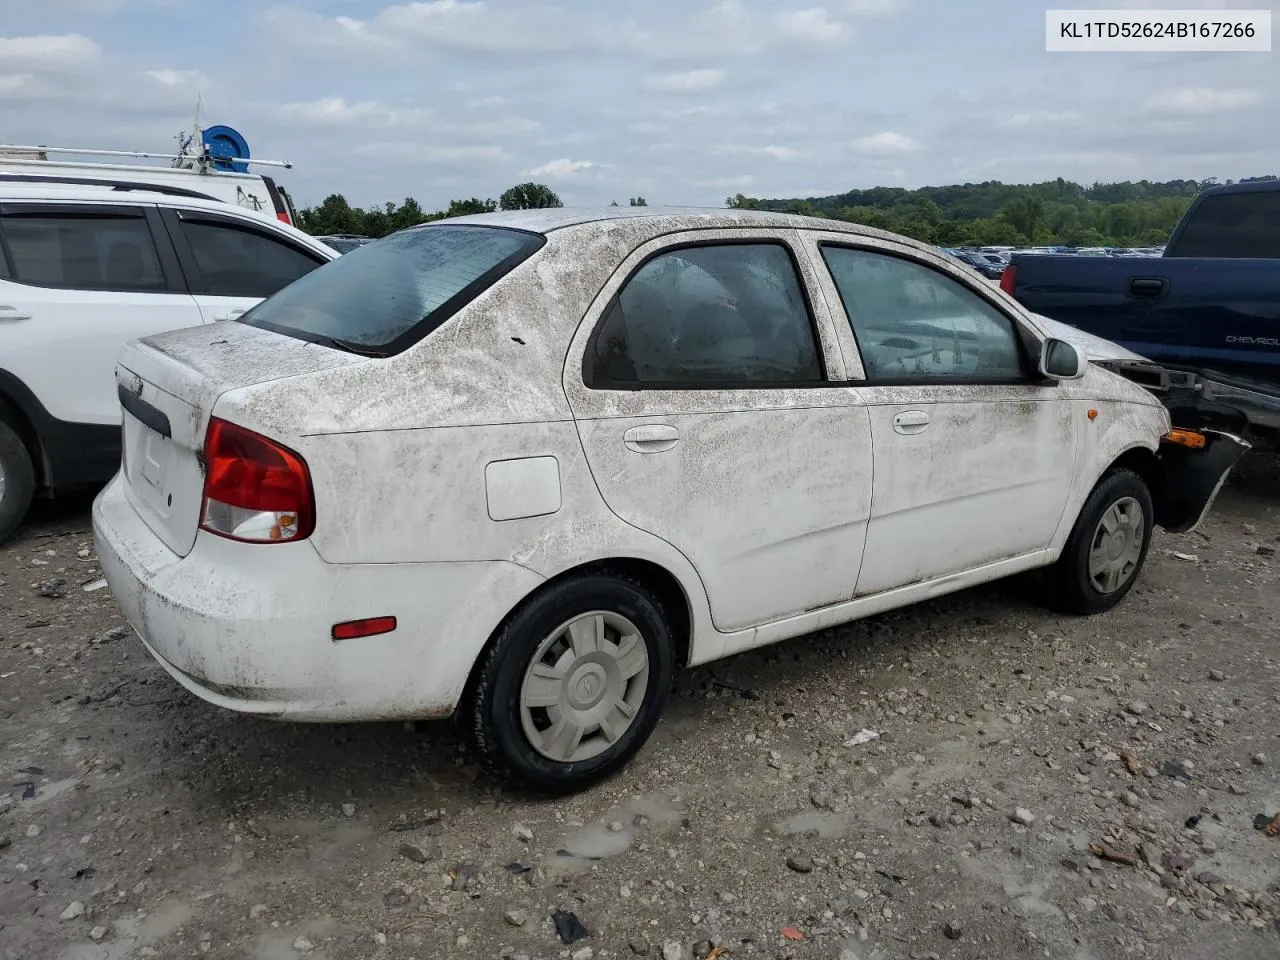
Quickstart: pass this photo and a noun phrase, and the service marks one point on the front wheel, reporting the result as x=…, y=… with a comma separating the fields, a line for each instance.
x=572, y=685
x=1107, y=546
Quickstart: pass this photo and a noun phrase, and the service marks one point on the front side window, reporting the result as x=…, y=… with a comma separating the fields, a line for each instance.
x=914, y=323
x=83, y=252
x=714, y=316
x=239, y=261
x=384, y=295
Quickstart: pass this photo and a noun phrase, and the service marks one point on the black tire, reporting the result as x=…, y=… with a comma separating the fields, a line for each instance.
x=1069, y=587
x=19, y=481
x=491, y=715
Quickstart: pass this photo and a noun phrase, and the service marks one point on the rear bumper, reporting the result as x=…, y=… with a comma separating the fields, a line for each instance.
x=248, y=627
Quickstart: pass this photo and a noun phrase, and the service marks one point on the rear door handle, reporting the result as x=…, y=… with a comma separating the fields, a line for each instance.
x=1148, y=288
x=911, y=421
x=12, y=314
x=651, y=438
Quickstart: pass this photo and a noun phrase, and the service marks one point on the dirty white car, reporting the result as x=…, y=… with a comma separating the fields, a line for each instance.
x=518, y=467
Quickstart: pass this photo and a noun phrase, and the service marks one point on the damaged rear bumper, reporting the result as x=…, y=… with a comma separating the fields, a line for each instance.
x=1192, y=477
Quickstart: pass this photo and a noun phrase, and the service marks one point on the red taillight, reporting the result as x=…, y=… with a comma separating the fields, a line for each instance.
x=283, y=217
x=255, y=490
x=1006, y=279
x=370, y=627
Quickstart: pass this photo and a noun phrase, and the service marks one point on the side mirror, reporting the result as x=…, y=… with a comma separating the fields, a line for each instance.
x=1059, y=360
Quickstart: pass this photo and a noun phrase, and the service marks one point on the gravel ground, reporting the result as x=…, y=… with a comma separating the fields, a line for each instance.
x=136, y=821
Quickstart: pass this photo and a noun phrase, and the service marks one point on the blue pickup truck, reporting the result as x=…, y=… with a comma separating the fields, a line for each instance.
x=1206, y=313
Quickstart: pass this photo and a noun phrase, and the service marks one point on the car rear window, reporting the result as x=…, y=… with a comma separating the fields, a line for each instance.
x=385, y=296
x=1232, y=225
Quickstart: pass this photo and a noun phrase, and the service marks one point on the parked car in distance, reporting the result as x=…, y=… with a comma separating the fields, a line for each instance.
x=518, y=467
x=344, y=243
x=1205, y=312
x=978, y=262
x=85, y=268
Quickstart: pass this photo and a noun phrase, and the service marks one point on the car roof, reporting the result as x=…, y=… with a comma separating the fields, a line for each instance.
x=1250, y=186
x=663, y=220
x=66, y=190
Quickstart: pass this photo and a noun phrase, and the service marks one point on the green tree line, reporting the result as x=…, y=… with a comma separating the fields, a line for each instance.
x=1128, y=213
x=336, y=216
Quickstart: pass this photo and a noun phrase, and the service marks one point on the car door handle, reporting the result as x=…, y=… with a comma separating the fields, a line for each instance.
x=230, y=315
x=12, y=314
x=651, y=438
x=1148, y=288
x=912, y=421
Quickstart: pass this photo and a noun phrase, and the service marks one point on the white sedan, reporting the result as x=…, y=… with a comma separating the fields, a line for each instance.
x=520, y=467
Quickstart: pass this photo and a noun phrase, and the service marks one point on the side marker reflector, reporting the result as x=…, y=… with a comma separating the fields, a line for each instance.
x=370, y=627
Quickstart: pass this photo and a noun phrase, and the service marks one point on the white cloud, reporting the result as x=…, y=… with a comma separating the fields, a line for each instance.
x=531, y=26
x=874, y=8
x=688, y=81
x=177, y=78
x=771, y=151
x=487, y=103
x=559, y=169
x=814, y=25
x=12, y=82
x=884, y=144
x=722, y=183
x=47, y=51
x=1044, y=118
x=1201, y=100
x=337, y=111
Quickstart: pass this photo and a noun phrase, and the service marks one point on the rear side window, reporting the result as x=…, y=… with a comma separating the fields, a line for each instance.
x=716, y=316
x=386, y=295
x=1245, y=225
x=83, y=252
x=239, y=261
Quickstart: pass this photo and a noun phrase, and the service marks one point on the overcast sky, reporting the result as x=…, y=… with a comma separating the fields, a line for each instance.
x=683, y=101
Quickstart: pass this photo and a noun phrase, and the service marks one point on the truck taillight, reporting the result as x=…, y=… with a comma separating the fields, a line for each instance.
x=1006, y=279
x=255, y=490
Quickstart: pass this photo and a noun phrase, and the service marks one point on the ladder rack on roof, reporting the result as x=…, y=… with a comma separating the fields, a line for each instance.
x=202, y=164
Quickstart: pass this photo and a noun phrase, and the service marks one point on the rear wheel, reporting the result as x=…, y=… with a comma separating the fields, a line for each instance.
x=17, y=481
x=1107, y=547
x=573, y=684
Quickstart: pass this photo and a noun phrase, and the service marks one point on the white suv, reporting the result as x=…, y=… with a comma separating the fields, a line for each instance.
x=85, y=268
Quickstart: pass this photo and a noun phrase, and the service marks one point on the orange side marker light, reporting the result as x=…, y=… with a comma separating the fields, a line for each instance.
x=1092, y=414
x=1186, y=438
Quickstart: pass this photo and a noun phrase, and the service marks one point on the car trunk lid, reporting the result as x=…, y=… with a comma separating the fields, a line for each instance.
x=168, y=386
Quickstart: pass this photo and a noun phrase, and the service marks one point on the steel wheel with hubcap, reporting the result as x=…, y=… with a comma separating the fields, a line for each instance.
x=573, y=683
x=1117, y=545
x=584, y=686
x=1107, y=547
